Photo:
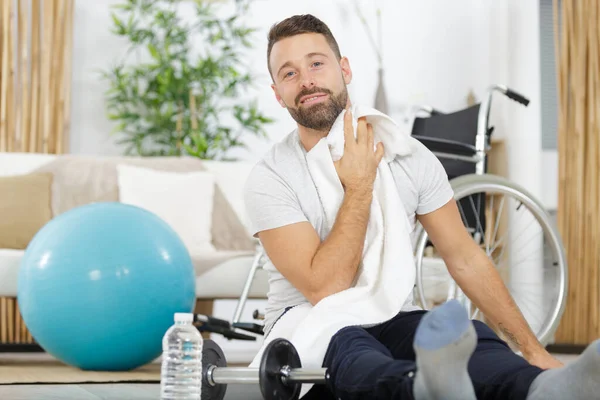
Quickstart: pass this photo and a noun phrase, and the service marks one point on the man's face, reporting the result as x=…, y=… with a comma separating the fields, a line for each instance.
x=309, y=80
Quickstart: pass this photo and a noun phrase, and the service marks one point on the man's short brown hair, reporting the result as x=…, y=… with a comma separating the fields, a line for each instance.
x=296, y=25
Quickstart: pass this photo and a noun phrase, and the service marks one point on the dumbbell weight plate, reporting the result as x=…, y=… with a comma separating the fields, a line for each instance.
x=277, y=354
x=212, y=355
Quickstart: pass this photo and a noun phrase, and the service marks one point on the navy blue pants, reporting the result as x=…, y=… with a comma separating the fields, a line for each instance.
x=379, y=363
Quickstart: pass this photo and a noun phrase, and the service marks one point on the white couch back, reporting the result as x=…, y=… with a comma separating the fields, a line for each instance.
x=230, y=176
x=22, y=163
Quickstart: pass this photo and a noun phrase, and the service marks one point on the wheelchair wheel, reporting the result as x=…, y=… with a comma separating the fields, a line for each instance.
x=514, y=230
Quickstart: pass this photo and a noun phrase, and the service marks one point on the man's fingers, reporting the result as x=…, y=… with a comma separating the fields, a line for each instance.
x=379, y=152
x=361, y=131
x=370, y=136
x=348, y=129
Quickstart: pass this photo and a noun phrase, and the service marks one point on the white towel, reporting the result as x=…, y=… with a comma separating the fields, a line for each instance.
x=387, y=273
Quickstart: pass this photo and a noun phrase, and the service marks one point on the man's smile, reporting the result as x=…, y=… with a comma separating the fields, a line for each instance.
x=313, y=98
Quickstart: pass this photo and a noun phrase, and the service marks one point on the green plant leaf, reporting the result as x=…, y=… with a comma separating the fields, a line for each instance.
x=150, y=100
x=153, y=52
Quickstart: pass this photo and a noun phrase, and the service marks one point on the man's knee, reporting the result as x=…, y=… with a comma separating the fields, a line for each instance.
x=351, y=339
x=346, y=336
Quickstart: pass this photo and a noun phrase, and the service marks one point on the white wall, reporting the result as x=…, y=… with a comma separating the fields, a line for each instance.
x=434, y=52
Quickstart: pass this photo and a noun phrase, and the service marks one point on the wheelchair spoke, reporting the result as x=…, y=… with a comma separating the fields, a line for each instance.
x=515, y=239
x=529, y=315
x=546, y=260
x=513, y=265
x=462, y=214
x=497, y=224
x=522, y=246
x=526, y=284
x=477, y=214
x=525, y=243
x=530, y=259
x=479, y=227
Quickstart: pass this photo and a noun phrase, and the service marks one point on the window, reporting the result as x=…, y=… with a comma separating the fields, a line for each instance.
x=549, y=88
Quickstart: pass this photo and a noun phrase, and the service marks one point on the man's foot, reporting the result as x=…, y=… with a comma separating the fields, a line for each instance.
x=578, y=380
x=444, y=342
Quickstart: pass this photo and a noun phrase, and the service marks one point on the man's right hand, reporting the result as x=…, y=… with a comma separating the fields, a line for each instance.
x=357, y=168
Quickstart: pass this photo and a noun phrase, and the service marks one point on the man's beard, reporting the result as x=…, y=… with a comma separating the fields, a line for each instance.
x=320, y=116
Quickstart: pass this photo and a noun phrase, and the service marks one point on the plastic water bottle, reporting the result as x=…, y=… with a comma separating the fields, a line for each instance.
x=181, y=369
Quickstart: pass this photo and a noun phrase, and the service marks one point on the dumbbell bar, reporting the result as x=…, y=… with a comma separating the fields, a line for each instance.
x=280, y=375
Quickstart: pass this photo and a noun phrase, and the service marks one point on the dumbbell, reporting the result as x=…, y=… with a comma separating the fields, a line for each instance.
x=280, y=374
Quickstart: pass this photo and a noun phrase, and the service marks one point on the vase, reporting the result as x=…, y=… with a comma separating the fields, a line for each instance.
x=380, y=95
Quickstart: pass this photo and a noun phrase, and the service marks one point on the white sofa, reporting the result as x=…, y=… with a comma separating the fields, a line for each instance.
x=220, y=274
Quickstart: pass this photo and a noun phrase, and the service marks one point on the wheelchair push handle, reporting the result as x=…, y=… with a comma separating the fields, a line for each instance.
x=508, y=92
x=519, y=98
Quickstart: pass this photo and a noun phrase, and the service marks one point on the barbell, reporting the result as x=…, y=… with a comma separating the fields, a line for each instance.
x=280, y=374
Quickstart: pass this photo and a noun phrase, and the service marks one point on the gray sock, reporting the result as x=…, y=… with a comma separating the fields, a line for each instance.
x=444, y=342
x=579, y=380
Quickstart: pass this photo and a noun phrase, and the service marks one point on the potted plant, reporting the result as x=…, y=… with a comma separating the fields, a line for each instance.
x=179, y=90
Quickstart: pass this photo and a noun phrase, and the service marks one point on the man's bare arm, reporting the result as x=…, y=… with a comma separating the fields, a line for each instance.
x=478, y=278
x=318, y=269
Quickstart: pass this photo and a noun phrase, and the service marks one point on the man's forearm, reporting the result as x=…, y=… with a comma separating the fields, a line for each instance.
x=480, y=281
x=339, y=255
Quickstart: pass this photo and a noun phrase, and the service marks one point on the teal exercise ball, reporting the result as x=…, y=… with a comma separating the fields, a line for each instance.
x=98, y=286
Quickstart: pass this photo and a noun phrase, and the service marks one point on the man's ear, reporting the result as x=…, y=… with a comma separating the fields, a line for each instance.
x=346, y=70
x=277, y=96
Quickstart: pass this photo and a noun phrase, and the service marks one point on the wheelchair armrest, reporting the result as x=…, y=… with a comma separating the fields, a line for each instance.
x=446, y=146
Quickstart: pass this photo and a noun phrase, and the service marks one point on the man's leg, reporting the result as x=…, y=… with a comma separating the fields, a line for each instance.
x=496, y=371
x=398, y=334
x=361, y=368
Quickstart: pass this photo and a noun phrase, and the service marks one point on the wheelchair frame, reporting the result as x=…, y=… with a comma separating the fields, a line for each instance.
x=481, y=149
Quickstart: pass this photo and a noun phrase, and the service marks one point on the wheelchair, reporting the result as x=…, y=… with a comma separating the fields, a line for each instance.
x=490, y=207
x=503, y=218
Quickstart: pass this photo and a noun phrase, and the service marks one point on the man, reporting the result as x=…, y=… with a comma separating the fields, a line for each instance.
x=401, y=358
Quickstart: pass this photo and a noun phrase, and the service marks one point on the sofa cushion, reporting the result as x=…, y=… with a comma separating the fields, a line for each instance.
x=231, y=178
x=22, y=163
x=205, y=261
x=10, y=261
x=228, y=279
x=218, y=274
x=80, y=180
x=184, y=200
x=24, y=208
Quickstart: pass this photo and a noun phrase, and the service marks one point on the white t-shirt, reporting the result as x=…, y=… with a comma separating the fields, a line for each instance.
x=271, y=202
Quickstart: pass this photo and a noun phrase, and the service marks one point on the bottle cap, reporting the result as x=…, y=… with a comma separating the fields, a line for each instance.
x=184, y=317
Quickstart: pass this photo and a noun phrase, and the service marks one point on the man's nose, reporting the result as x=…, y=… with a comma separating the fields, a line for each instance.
x=307, y=80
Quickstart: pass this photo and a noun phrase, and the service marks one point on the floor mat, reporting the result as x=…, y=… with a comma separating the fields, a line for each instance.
x=22, y=371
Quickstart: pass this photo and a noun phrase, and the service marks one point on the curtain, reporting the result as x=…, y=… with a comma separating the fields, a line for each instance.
x=35, y=75
x=35, y=86
x=577, y=41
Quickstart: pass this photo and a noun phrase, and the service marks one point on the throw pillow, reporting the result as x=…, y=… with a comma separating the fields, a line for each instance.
x=182, y=200
x=25, y=207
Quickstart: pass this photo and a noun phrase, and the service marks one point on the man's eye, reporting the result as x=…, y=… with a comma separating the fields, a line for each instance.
x=317, y=63
x=288, y=74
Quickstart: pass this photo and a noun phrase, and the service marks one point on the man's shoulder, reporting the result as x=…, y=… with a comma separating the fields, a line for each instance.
x=280, y=155
x=284, y=150
x=409, y=164
x=281, y=158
